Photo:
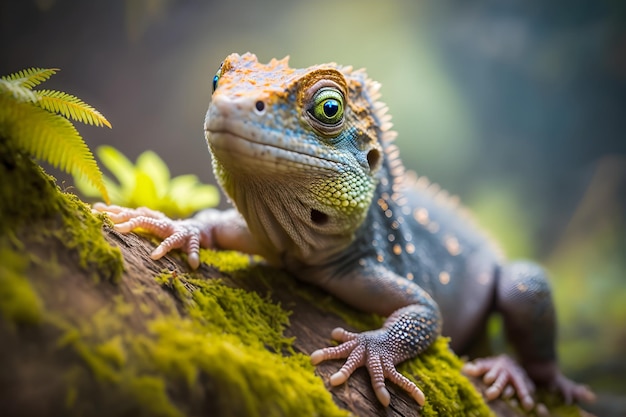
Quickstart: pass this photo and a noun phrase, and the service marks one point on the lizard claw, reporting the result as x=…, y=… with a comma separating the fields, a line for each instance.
x=185, y=234
x=500, y=373
x=372, y=350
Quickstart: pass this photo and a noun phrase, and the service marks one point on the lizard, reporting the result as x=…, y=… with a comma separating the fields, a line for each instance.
x=307, y=157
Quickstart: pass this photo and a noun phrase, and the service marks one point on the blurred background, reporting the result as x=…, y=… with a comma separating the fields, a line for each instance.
x=518, y=106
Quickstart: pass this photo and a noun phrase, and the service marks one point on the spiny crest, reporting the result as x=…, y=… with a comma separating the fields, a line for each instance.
x=423, y=185
x=378, y=108
x=441, y=196
x=380, y=112
x=243, y=75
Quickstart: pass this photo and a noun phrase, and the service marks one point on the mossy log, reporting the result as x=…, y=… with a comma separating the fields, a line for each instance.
x=90, y=325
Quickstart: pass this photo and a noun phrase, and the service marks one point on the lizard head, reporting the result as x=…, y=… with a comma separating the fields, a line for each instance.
x=297, y=150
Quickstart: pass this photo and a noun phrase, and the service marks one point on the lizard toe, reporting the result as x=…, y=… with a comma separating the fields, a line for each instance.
x=355, y=360
x=335, y=352
x=403, y=382
x=500, y=372
x=342, y=335
x=571, y=391
x=176, y=234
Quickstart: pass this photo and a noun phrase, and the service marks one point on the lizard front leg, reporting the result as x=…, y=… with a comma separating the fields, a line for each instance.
x=413, y=324
x=209, y=229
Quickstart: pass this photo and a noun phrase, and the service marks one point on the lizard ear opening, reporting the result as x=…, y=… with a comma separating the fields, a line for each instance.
x=318, y=217
x=373, y=159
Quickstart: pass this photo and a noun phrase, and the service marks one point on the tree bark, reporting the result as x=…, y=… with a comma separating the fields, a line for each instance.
x=30, y=382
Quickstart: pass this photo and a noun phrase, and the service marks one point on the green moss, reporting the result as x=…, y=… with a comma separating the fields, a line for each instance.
x=236, y=337
x=151, y=396
x=26, y=194
x=218, y=343
x=82, y=232
x=252, y=380
x=272, y=278
x=438, y=373
x=226, y=261
x=19, y=303
x=112, y=351
x=32, y=205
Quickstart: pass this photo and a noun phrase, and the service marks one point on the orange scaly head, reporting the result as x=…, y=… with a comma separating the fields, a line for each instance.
x=297, y=150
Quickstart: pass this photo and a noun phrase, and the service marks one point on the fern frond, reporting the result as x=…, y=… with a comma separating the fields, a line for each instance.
x=18, y=91
x=31, y=77
x=71, y=107
x=49, y=137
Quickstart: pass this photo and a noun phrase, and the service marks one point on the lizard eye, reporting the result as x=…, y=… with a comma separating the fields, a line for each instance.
x=327, y=106
x=216, y=77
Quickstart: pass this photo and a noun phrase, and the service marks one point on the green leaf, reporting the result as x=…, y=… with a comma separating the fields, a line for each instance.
x=31, y=77
x=145, y=192
x=182, y=186
x=49, y=137
x=153, y=166
x=203, y=196
x=71, y=107
x=120, y=166
x=148, y=184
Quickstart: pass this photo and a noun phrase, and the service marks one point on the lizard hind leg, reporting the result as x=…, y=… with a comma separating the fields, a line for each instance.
x=524, y=299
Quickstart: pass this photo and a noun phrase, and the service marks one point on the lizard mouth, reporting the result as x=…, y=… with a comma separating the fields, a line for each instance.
x=254, y=147
x=244, y=152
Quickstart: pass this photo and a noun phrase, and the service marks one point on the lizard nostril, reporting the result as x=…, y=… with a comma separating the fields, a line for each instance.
x=318, y=217
x=259, y=106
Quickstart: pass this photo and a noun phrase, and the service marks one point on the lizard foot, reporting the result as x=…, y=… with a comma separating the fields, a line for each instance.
x=185, y=234
x=500, y=373
x=375, y=350
x=572, y=391
x=549, y=375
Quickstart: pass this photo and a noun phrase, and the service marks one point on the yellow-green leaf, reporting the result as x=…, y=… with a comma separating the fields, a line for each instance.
x=203, y=196
x=148, y=184
x=152, y=165
x=145, y=192
x=119, y=165
x=71, y=107
x=31, y=77
x=49, y=137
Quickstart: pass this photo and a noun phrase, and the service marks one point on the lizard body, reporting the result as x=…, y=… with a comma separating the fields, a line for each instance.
x=307, y=158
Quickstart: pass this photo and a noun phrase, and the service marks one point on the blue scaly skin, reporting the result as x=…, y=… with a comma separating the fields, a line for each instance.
x=307, y=158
